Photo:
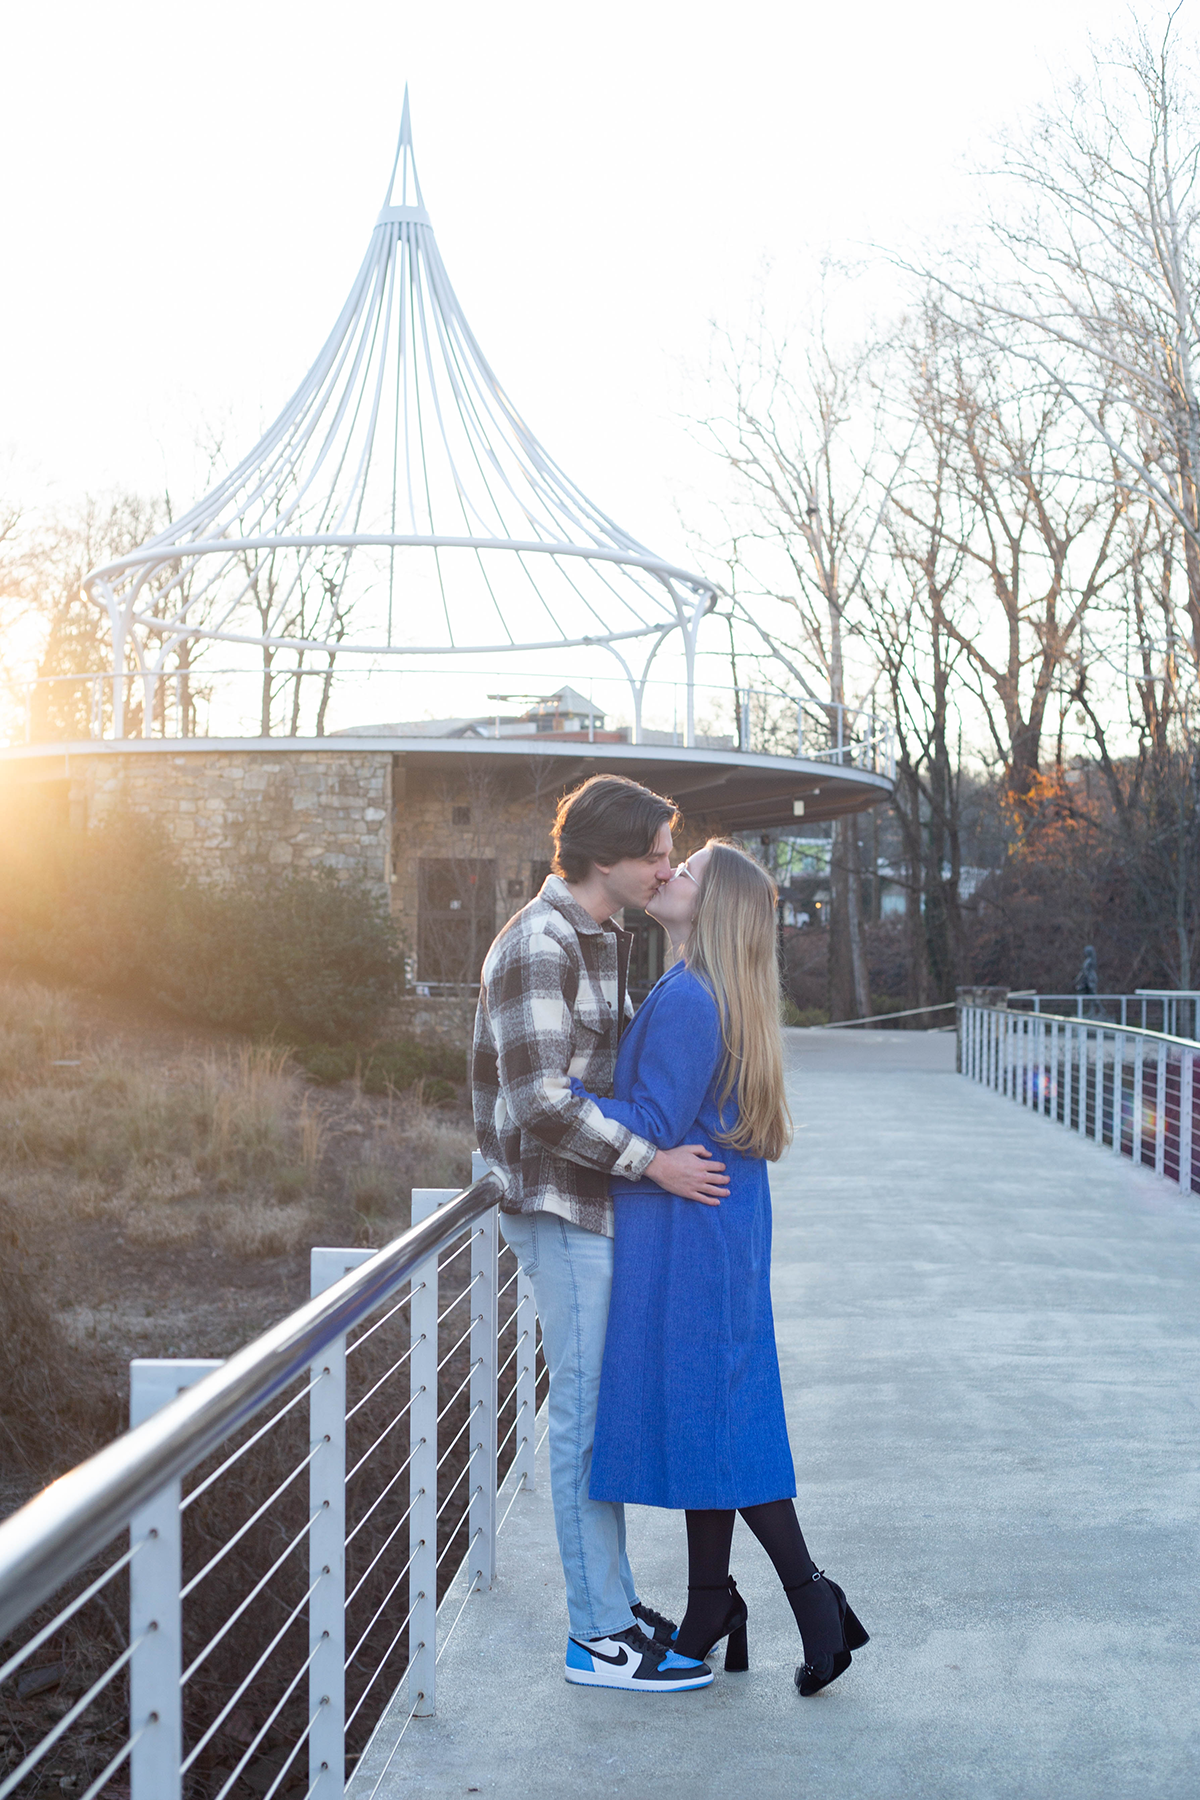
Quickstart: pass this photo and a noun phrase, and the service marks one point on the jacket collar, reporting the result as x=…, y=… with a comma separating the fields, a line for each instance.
x=555, y=892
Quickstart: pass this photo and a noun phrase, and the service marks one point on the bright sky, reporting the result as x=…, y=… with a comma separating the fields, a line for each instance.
x=189, y=190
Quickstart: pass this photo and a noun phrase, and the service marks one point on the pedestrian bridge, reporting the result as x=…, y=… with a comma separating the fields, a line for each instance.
x=989, y=1334
x=988, y=1330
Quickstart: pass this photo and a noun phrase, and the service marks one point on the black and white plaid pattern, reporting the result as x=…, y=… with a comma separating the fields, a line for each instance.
x=547, y=1011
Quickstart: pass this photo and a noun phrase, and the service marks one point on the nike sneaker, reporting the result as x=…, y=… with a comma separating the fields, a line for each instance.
x=663, y=1631
x=631, y=1660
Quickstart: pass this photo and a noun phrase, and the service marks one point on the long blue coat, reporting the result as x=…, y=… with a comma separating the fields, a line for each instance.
x=691, y=1409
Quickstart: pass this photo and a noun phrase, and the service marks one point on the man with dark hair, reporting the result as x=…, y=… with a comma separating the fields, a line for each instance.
x=552, y=1002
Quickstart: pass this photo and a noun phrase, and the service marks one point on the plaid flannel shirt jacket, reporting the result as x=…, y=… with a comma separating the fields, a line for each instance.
x=548, y=999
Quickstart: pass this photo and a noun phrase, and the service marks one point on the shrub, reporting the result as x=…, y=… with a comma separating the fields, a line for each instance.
x=398, y=1064
x=328, y=1063
x=48, y=1403
x=803, y=1015
x=306, y=957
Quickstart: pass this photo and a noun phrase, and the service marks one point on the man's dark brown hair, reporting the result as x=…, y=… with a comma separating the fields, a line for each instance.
x=605, y=820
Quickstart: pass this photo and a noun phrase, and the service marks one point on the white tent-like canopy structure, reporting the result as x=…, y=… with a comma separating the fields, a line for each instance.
x=399, y=508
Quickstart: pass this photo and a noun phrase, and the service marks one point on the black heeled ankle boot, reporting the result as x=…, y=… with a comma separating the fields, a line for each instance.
x=710, y=1631
x=830, y=1632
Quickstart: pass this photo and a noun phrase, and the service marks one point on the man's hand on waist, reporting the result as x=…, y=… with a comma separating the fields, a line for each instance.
x=692, y=1173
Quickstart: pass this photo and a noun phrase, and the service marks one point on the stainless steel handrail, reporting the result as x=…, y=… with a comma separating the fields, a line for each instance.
x=62, y=1528
x=1112, y=1026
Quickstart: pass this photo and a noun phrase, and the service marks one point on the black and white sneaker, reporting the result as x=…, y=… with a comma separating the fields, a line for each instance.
x=654, y=1625
x=631, y=1660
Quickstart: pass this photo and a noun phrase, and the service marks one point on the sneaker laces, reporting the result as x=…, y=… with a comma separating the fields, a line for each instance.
x=648, y=1616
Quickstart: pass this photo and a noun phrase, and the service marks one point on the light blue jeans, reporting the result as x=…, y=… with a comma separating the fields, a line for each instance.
x=571, y=1273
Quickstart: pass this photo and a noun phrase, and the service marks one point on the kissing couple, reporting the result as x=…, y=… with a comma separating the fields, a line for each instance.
x=633, y=1152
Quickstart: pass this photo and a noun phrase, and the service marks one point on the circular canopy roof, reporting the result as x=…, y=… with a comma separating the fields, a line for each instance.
x=399, y=506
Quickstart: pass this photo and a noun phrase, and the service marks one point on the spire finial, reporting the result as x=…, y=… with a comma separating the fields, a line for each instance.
x=404, y=163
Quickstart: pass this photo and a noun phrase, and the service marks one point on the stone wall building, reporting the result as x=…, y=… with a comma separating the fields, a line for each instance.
x=453, y=833
x=237, y=811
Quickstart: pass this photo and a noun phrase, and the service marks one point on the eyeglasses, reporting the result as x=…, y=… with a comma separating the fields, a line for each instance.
x=684, y=870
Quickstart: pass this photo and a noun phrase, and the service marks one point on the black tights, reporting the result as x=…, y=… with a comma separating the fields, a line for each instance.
x=775, y=1525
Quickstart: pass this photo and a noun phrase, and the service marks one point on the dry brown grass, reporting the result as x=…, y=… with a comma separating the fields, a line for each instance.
x=231, y=1147
x=157, y=1199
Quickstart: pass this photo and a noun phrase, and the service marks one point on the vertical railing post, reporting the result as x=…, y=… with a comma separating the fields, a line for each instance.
x=485, y=1328
x=526, y=1385
x=1139, y=1055
x=327, y=1543
x=998, y=1052
x=1025, y=1045
x=1014, y=1057
x=1118, y=1092
x=422, y=1468
x=1098, y=1104
x=1187, y=1068
x=1160, y=1111
x=155, y=1606
x=481, y=1524
x=1001, y=1041
x=1001, y=1053
x=1068, y=1069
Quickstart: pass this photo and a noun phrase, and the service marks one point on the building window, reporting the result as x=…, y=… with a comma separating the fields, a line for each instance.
x=456, y=918
x=460, y=815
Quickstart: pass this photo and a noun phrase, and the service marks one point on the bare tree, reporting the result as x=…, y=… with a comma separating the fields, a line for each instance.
x=804, y=450
x=1034, y=524
x=1151, y=823
x=74, y=647
x=922, y=660
x=1098, y=279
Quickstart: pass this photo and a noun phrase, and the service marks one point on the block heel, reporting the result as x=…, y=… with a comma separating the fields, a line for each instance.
x=732, y=1627
x=737, y=1652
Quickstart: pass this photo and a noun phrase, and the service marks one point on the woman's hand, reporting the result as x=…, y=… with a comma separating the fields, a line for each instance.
x=692, y=1173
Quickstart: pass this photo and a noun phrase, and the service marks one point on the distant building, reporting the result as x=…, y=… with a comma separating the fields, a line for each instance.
x=571, y=716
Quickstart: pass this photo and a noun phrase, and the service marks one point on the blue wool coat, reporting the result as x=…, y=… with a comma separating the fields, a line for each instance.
x=691, y=1409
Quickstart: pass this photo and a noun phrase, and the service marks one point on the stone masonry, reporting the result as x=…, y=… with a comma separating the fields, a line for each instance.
x=368, y=815
x=226, y=812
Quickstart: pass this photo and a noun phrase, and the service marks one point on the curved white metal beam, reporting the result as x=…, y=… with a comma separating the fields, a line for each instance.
x=155, y=552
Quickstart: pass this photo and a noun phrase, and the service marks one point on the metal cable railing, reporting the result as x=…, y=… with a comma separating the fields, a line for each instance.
x=221, y=1597
x=1131, y=1090
x=1169, y=1010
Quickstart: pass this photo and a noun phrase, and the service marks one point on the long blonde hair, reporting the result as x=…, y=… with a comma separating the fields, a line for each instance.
x=731, y=949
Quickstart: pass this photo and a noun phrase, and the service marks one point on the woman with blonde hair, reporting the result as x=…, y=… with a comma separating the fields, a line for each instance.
x=691, y=1409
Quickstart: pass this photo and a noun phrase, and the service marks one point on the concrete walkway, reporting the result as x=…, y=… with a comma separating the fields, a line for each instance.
x=989, y=1335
